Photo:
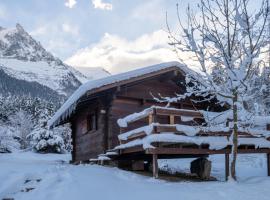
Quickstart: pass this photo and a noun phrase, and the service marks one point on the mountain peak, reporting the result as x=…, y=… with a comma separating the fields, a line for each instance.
x=19, y=27
x=18, y=44
x=23, y=58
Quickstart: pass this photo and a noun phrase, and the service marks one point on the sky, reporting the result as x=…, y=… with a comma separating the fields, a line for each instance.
x=117, y=35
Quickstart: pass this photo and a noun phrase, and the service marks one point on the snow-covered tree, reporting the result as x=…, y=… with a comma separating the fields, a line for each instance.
x=47, y=140
x=266, y=90
x=64, y=132
x=227, y=39
x=8, y=140
x=22, y=125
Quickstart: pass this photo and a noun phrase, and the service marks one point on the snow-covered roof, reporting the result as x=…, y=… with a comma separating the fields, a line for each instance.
x=69, y=106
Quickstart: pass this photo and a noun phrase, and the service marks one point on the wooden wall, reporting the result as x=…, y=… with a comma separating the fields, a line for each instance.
x=91, y=144
x=138, y=96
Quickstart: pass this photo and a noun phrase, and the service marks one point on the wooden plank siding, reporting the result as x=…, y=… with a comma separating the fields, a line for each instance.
x=92, y=143
x=134, y=98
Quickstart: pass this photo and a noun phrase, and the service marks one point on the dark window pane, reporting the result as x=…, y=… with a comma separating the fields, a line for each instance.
x=92, y=122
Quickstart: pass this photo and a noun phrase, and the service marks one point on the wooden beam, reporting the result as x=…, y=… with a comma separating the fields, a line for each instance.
x=155, y=166
x=136, y=136
x=169, y=128
x=227, y=165
x=132, y=150
x=176, y=151
x=179, y=112
x=197, y=151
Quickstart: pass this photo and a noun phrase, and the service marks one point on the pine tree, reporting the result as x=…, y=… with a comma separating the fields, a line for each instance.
x=23, y=124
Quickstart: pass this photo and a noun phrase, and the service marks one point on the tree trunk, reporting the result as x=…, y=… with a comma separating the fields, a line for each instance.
x=235, y=135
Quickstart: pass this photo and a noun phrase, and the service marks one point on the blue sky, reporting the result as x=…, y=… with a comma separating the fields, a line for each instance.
x=107, y=33
x=128, y=18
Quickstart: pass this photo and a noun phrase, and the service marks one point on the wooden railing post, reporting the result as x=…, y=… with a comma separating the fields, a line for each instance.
x=152, y=117
x=172, y=119
x=121, y=131
x=155, y=166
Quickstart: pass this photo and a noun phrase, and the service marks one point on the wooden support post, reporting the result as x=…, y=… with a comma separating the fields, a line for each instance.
x=121, y=131
x=268, y=164
x=150, y=119
x=155, y=166
x=172, y=119
x=227, y=166
x=73, y=137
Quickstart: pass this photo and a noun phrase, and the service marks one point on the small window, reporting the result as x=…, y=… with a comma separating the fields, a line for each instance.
x=92, y=124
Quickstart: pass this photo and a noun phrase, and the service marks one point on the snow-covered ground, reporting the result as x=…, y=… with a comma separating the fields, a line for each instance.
x=50, y=177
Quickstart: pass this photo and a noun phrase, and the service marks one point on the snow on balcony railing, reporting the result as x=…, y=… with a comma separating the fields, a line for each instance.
x=216, y=136
x=214, y=142
x=186, y=115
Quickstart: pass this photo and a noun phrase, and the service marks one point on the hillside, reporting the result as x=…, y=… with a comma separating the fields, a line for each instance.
x=23, y=58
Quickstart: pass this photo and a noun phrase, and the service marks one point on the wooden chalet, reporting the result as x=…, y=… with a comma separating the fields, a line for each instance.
x=94, y=109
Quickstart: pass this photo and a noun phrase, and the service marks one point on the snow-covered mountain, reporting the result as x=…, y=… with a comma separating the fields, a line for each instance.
x=23, y=58
x=93, y=72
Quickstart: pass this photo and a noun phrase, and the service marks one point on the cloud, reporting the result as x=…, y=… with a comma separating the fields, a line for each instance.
x=3, y=12
x=70, y=3
x=57, y=37
x=98, y=4
x=73, y=30
x=150, y=10
x=117, y=54
x=56, y=28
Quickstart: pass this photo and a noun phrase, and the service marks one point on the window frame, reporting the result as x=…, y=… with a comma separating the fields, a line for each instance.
x=92, y=122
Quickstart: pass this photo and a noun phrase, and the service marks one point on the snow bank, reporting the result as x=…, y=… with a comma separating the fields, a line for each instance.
x=60, y=180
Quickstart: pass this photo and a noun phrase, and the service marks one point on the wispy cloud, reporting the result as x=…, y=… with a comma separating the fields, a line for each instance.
x=68, y=28
x=150, y=10
x=117, y=54
x=3, y=12
x=58, y=37
x=99, y=4
x=70, y=3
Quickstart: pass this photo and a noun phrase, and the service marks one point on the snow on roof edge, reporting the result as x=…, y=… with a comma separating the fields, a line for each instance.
x=70, y=105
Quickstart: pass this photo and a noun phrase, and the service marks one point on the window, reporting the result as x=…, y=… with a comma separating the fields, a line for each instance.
x=92, y=120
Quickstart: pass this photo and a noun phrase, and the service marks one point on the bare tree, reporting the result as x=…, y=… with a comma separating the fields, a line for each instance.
x=230, y=37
